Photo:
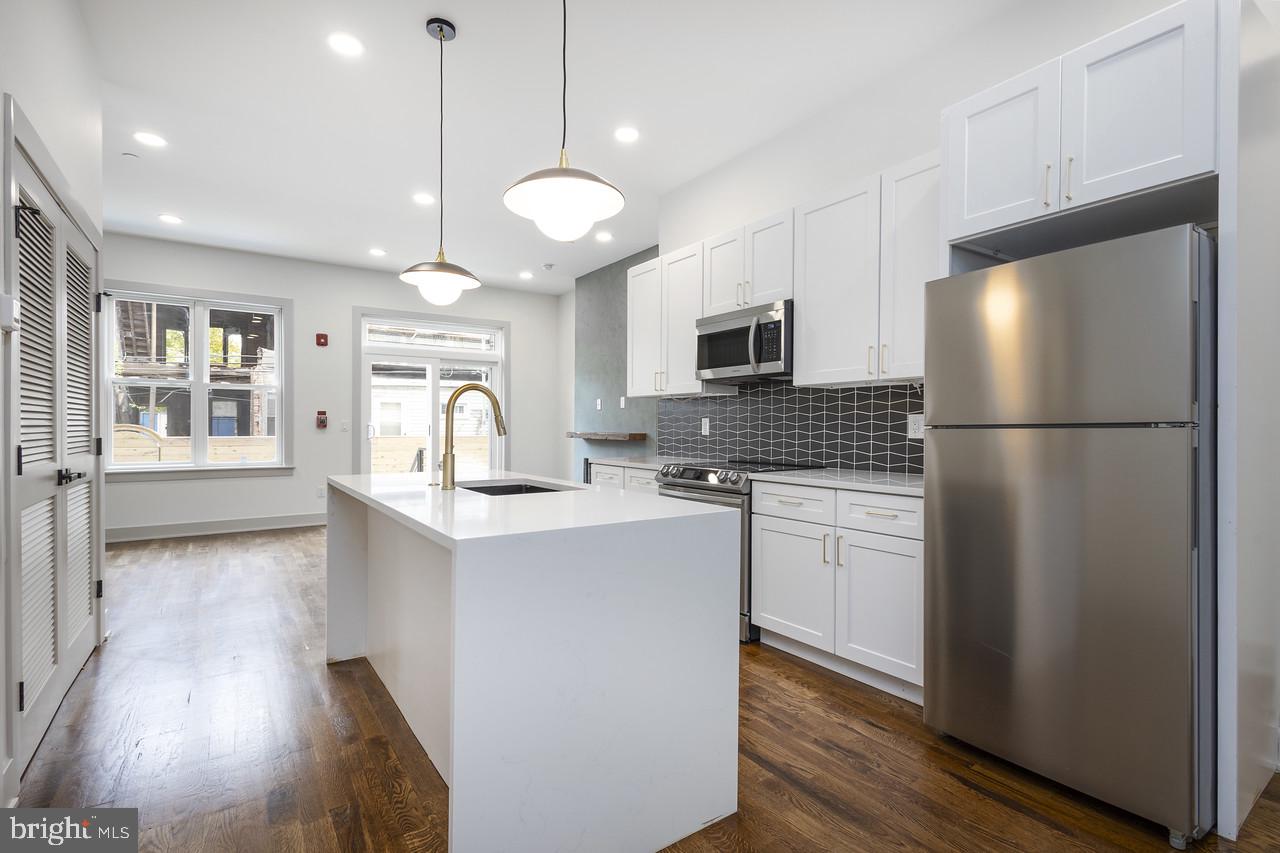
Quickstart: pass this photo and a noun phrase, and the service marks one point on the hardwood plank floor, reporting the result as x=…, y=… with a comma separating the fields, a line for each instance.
x=211, y=710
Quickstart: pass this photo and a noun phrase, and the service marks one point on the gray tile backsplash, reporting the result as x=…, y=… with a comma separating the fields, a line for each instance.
x=862, y=427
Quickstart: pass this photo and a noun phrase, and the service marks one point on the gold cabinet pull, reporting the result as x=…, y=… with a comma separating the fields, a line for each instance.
x=839, y=549
x=1048, y=167
x=825, y=537
x=1070, y=160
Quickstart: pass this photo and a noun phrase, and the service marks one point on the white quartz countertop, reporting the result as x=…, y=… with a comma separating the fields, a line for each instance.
x=911, y=485
x=451, y=517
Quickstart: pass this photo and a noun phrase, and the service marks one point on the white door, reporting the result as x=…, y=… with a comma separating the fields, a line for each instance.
x=682, y=306
x=723, y=262
x=399, y=414
x=644, y=328
x=792, y=586
x=1138, y=105
x=880, y=602
x=837, y=286
x=910, y=255
x=57, y=548
x=1001, y=153
x=768, y=259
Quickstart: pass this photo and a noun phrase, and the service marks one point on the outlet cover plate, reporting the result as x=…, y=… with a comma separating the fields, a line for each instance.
x=915, y=426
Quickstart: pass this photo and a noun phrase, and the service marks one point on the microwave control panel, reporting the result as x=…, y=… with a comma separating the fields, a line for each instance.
x=770, y=337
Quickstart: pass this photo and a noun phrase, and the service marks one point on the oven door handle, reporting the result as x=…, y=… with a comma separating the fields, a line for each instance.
x=751, y=344
x=733, y=501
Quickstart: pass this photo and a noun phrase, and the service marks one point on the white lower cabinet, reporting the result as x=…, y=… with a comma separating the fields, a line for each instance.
x=855, y=593
x=607, y=475
x=642, y=480
x=792, y=579
x=880, y=602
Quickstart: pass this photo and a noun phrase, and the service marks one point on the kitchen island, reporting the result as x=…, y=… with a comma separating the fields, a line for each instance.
x=568, y=659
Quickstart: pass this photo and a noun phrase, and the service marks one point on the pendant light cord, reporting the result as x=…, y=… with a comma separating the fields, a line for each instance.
x=440, y=31
x=564, y=72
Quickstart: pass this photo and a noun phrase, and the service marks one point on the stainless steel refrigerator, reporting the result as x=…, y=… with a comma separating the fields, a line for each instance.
x=1069, y=507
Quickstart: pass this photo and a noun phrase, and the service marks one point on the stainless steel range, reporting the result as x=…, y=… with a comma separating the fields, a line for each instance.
x=724, y=484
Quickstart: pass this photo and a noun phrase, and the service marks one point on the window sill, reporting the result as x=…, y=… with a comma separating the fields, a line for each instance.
x=149, y=475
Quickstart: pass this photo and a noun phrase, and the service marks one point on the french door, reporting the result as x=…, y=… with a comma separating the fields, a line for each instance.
x=401, y=398
x=55, y=546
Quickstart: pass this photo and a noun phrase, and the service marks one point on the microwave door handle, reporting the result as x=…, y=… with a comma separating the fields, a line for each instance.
x=751, y=344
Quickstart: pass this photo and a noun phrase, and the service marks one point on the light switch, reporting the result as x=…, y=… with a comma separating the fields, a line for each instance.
x=599, y=404
x=622, y=402
x=706, y=426
x=915, y=426
x=346, y=426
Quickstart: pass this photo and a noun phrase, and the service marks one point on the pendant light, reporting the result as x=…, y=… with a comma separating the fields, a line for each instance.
x=563, y=202
x=440, y=282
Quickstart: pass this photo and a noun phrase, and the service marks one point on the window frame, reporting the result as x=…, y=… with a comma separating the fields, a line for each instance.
x=199, y=303
x=497, y=359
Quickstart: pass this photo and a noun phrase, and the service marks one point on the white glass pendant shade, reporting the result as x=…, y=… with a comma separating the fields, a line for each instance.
x=439, y=282
x=563, y=202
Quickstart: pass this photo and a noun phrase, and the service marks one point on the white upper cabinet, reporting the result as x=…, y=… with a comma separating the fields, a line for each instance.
x=723, y=262
x=644, y=329
x=837, y=252
x=682, y=300
x=1138, y=105
x=1002, y=150
x=910, y=236
x=768, y=260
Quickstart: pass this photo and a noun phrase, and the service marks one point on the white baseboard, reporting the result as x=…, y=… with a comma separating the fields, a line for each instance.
x=847, y=668
x=175, y=530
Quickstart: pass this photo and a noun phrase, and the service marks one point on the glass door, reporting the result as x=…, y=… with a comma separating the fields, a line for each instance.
x=475, y=444
x=400, y=399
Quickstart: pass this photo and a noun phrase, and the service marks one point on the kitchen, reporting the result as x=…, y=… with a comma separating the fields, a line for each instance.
x=957, y=386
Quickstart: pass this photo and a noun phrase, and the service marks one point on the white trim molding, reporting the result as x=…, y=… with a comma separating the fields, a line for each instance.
x=182, y=529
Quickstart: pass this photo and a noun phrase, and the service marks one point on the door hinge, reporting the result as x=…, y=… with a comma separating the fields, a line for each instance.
x=97, y=592
x=97, y=446
x=19, y=467
x=97, y=303
x=22, y=696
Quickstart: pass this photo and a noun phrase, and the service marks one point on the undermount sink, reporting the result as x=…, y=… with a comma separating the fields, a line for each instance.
x=518, y=487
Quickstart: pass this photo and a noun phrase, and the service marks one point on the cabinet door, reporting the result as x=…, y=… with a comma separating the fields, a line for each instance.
x=1138, y=105
x=837, y=286
x=792, y=586
x=607, y=475
x=910, y=254
x=682, y=306
x=722, y=265
x=880, y=602
x=641, y=480
x=1001, y=153
x=644, y=329
x=769, y=244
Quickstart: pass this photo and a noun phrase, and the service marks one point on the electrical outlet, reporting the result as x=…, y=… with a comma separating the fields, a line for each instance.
x=706, y=426
x=320, y=492
x=622, y=402
x=346, y=426
x=915, y=426
x=599, y=404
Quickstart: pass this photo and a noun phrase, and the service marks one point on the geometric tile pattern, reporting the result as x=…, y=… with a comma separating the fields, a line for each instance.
x=862, y=428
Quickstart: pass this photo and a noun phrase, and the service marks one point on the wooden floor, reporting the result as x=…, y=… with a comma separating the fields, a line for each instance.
x=211, y=709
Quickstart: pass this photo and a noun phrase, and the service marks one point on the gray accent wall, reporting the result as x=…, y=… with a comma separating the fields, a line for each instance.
x=600, y=366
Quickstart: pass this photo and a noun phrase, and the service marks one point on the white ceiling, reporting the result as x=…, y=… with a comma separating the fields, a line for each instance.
x=278, y=145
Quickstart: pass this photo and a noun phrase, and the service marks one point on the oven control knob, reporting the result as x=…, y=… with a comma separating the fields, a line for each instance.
x=676, y=470
x=664, y=470
x=735, y=478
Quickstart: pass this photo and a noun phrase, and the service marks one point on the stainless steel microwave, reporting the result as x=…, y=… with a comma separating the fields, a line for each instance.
x=747, y=344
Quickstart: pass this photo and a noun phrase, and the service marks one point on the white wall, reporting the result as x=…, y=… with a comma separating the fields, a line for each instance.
x=48, y=64
x=323, y=297
x=566, y=306
x=885, y=121
x=1249, y=413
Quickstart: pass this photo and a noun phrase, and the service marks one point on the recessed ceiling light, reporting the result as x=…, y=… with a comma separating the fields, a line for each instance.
x=170, y=219
x=345, y=44
x=424, y=198
x=154, y=140
x=376, y=252
x=526, y=275
x=626, y=134
x=603, y=236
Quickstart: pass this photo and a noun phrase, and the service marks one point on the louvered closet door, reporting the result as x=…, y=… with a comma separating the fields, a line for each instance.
x=58, y=549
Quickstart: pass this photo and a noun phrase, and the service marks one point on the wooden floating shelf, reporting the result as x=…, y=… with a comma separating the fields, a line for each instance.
x=609, y=436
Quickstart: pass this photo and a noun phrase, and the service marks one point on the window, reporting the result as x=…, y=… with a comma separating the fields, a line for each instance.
x=195, y=383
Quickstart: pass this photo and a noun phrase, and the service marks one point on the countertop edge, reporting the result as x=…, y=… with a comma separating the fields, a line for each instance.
x=653, y=464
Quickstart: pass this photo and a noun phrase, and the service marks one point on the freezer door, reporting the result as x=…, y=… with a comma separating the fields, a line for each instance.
x=1059, y=606
x=1099, y=334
